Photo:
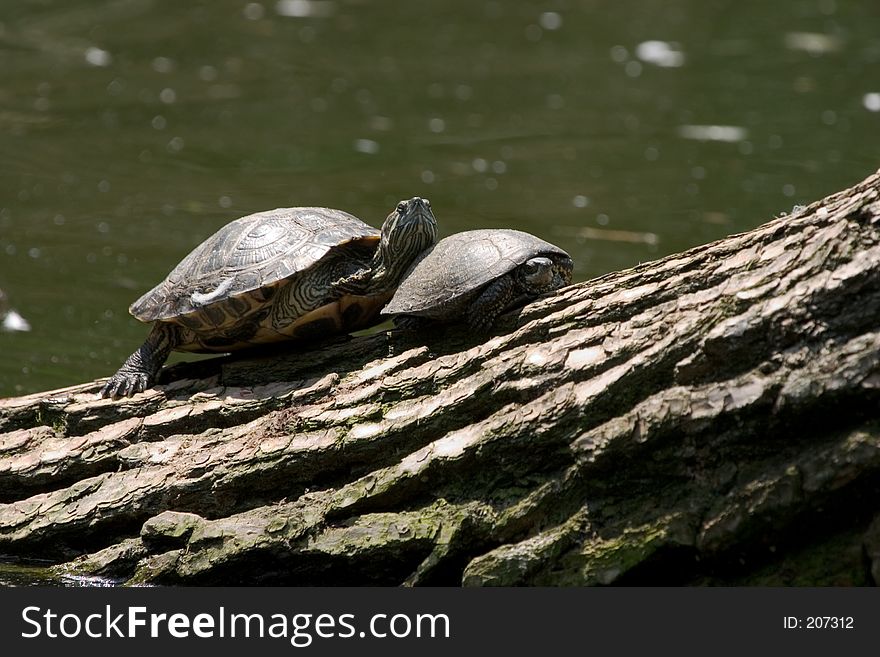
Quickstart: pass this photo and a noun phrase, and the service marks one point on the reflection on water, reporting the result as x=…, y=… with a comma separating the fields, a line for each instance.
x=730, y=133
x=130, y=130
x=660, y=53
x=10, y=319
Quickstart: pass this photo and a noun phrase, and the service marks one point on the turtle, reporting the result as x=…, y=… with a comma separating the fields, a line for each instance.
x=290, y=273
x=476, y=275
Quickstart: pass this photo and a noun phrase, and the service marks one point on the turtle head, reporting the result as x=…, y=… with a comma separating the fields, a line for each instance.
x=541, y=274
x=407, y=233
x=536, y=275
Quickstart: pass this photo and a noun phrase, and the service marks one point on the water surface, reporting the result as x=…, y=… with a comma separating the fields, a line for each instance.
x=130, y=130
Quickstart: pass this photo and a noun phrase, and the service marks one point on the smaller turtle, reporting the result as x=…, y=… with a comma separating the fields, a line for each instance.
x=477, y=275
x=285, y=274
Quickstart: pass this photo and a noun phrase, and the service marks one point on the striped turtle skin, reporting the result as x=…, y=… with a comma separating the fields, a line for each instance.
x=284, y=274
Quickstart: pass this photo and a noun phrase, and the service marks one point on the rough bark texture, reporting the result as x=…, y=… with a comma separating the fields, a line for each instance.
x=711, y=417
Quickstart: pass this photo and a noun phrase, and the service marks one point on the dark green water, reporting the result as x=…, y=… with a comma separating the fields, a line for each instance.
x=130, y=130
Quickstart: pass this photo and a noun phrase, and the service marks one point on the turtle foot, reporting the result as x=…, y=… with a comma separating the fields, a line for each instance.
x=125, y=383
x=140, y=369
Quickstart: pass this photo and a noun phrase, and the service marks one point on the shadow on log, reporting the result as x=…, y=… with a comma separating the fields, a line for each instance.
x=708, y=418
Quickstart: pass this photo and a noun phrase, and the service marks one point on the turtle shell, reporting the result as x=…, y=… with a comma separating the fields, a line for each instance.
x=232, y=272
x=460, y=265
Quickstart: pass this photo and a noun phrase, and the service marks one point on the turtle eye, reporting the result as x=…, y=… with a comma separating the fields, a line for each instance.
x=401, y=207
x=531, y=267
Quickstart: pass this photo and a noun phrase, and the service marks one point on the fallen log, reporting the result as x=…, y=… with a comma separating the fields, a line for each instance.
x=710, y=417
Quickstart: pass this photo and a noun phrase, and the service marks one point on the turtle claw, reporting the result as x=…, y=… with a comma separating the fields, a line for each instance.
x=140, y=369
x=124, y=384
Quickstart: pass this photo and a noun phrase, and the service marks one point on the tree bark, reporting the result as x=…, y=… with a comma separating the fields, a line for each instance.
x=710, y=417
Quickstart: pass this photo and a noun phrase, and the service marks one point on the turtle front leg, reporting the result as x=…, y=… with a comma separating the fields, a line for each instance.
x=525, y=283
x=140, y=369
x=484, y=310
x=355, y=283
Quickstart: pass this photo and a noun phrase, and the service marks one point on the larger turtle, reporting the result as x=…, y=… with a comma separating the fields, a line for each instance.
x=290, y=273
x=477, y=275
